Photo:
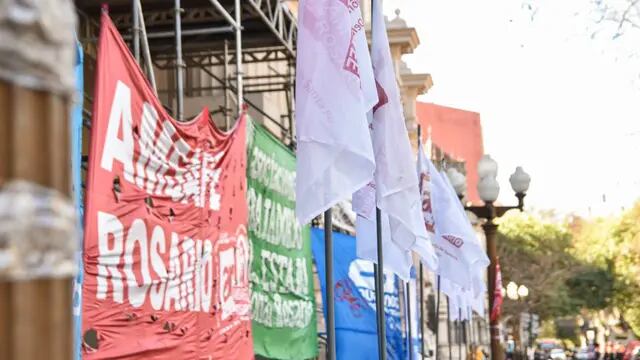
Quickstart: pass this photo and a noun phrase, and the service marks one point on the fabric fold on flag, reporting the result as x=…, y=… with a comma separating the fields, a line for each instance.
x=458, y=299
x=394, y=185
x=477, y=304
x=334, y=91
x=396, y=260
x=478, y=268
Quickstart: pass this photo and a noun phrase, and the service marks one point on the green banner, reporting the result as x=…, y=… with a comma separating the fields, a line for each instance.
x=282, y=295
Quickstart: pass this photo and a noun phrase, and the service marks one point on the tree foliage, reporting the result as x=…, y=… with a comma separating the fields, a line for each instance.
x=572, y=267
x=614, y=244
x=626, y=263
x=535, y=253
x=564, y=277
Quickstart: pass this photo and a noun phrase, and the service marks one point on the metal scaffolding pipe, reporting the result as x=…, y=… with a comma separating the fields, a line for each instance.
x=269, y=23
x=291, y=99
x=179, y=62
x=135, y=30
x=190, y=32
x=238, y=14
x=145, y=48
x=235, y=23
x=226, y=85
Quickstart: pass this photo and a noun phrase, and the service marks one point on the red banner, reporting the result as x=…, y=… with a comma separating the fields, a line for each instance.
x=166, y=251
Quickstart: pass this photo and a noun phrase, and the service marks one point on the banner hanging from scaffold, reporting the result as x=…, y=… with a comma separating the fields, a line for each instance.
x=166, y=249
x=282, y=295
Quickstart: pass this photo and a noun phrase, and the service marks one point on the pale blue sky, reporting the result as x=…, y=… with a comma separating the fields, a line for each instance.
x=552, y=98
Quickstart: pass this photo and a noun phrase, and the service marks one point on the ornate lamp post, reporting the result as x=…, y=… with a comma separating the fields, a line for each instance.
x=488, y=188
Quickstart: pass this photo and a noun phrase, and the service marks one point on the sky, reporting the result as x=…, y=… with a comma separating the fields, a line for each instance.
x=553, y=97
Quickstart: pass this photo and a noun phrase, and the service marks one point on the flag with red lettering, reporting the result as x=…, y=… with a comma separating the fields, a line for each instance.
x=165, y=251
x=394, y=186
x=497, y=295
x=334, y=91
x=461, y=257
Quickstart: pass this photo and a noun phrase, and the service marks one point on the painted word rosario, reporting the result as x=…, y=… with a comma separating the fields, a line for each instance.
x=186, y=284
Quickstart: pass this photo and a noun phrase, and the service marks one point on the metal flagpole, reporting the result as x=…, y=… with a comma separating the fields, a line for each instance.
x=379, y=290
x=466, y=334
x=410, y=332
x=449, y=327
x=328, y=259
x=145, y=48
x=460, y=332
x=470, y=325
x=178, y=113
x=420, y=275
x=379, y=267
x=438, y=319
x=421, y=329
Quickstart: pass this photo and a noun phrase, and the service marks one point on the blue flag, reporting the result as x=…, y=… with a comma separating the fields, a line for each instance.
x=355, y=302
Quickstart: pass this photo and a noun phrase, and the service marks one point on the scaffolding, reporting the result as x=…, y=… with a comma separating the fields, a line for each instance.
x=201, y=49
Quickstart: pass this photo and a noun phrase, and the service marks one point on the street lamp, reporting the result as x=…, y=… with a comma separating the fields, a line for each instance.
x=512, y=291
x=488, y=189
x=523, y=291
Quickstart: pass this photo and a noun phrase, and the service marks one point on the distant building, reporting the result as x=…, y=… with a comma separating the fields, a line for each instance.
x=458, y=134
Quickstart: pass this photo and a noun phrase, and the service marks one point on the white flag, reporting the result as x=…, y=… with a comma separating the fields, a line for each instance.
x=396, y=260
x=459, y=252
x=478, y=268
x=477, y=303
x=459, y=300
x=394, y=184
x=334, y=90
x=453, y=292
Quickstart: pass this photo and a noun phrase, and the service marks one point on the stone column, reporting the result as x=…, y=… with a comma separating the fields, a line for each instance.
x=37, y=51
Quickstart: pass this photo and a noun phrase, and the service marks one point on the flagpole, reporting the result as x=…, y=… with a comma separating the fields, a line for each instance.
x=379, y=267
x=438, y=319
x=461, y=332
x=410, y=332
x=145, y=48
x=471, y=333
x=379, y=291
x=470, y=330
x=465, y=333
x=328, y=258
x=449, y=327
x=421, y=313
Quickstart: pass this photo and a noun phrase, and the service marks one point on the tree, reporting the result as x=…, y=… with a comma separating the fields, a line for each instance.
x=612, y=247
x=624, y=14
x=536, y=253
x=626, y=264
